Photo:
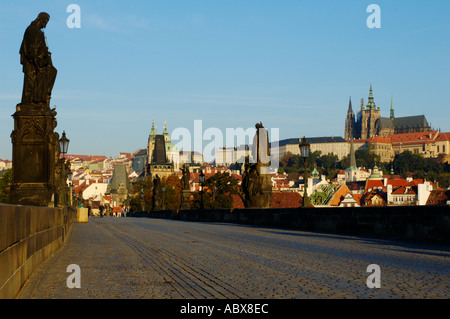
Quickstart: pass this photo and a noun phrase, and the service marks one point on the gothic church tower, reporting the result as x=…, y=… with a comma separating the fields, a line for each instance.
x=370, y=114
x=350, y=122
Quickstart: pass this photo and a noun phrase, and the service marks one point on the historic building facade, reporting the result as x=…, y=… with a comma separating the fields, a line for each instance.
x=368, y=123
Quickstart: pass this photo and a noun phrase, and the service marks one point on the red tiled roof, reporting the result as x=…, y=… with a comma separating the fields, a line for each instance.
x=379, y=139
x=286, y=199
x=339, y=195
x=279, y=200
x=414, y=138
x=438, y=197
x=371, y=184
x=403, y=190
x=443, y=137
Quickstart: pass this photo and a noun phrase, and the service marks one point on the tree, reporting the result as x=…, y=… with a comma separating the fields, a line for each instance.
x=217, y=191
x=5, y=185
x=367, y=159
x=172, y=193
x=142, y=195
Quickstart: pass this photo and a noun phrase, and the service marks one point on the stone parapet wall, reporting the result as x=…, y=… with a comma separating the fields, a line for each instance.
x=28, y=236
x=411, y=223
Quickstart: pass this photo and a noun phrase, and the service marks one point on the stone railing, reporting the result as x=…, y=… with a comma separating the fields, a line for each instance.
x=28, y=236
x=411, y=223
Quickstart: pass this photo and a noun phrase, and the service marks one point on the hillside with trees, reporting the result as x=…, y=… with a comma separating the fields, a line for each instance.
x=405, y=164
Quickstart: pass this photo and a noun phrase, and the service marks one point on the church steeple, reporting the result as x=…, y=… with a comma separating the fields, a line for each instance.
x=371, y=104
x=350, y=109
x=165, y=132
x=153, y=131
x=350, y=122
x=392, y=107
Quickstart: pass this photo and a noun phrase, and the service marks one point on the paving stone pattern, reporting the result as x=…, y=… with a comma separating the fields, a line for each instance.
x=164, y=259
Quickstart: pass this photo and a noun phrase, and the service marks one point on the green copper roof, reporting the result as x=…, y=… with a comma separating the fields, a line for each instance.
x=153, y=132
x=315, y=173
x=371, y=104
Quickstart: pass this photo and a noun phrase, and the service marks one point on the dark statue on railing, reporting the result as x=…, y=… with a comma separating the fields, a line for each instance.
x=157, y=198
x=36, y=156
x=256, y=187
x=38, y=69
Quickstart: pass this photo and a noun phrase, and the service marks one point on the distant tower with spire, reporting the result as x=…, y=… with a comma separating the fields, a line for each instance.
x=352, y=172
x=370, y=115
x=368, y=123
x=350, y=121
x=392, y=108
x=364, y=126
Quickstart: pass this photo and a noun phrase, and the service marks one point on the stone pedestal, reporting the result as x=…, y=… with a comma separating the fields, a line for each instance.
x=35, y=156
x=185, y=199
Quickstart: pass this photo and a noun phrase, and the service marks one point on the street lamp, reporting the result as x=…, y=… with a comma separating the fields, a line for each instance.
x=142, y=198
x=163, y=204
x=304, y=152
x=64, y=146
x=202, y=180
x=70, y=177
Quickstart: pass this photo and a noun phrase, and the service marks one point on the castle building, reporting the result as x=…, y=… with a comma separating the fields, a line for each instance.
x=368, y=123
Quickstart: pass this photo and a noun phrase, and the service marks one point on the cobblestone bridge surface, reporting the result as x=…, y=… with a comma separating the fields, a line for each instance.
x=154, y=258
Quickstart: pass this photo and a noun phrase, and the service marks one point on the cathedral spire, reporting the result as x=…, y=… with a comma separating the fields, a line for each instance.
x=153, y=132
x=371, y=104
x=392, y=107
x=350, y=109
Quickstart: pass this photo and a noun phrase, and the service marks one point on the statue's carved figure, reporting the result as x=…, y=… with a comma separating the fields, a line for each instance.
x=38, y=69
x=185, y=178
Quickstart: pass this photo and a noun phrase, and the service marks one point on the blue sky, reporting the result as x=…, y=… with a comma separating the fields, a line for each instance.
x=291, y=65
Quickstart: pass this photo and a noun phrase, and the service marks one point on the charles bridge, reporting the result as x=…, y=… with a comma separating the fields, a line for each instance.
x=286, y=253
x=242, y=253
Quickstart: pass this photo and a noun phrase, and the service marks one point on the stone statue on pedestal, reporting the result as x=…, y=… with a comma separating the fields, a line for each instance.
x=157, y=194
x=35, y=145
x=256, y=187
x=185, y=188
x=38, y=69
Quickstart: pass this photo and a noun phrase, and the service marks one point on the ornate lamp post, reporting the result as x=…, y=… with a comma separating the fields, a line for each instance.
x=304, y=151
x=164, y=191
x=70, y=176
x=202, y=180
x=64, y=146
x=142, y=198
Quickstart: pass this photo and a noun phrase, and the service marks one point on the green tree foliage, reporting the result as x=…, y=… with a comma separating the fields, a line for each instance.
x=404, y=164
x=415, y=165
x=142, y=196
x=293, y=164
x=217, y=192
x=172, y=193
x=5, y=184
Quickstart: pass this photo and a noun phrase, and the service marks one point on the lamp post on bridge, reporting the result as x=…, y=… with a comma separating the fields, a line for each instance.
x=64, y=146
x=304, y=152
x=202, y=180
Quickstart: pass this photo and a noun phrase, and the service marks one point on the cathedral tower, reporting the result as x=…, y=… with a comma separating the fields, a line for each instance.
x=350, y=122
x=369, y=115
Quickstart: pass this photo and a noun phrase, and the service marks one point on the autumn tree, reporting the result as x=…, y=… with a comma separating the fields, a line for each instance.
x=5, y=184
x=217, y=192
x=172, y=192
